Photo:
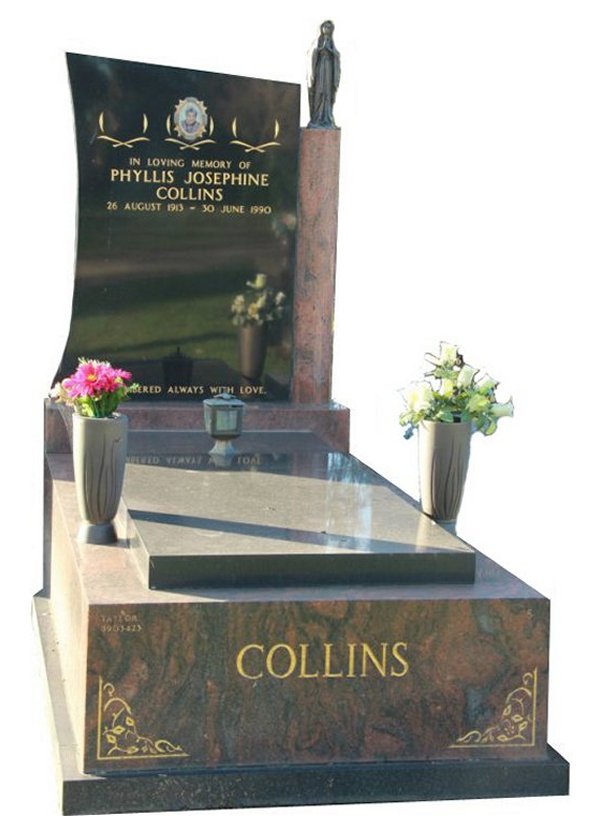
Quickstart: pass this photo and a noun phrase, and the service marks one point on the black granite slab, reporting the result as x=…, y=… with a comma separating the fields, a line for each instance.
x=280, y=519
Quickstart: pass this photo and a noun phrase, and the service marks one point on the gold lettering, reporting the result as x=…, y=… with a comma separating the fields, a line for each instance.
x=189, y=194
x=380, y=665
x=351, y=659
x=328, y=672
x=120, y=175
x=292, y=661
x=155, y=162
x=240, y=660
x=194, y=178
x=148, y=177
x=142, y=206
x=189, y=390
x=215, y=164
x=398, y=656
x=326, y=661
x=243, y=180
x=303, y=656
x=149, y=389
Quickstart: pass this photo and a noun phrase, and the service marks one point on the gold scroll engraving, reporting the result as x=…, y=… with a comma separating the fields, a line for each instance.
x=516, y=726
x=118, y=736
x=123, y=143
x=257, y=148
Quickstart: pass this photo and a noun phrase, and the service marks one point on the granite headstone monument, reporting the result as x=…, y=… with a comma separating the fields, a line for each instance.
x=291, y=628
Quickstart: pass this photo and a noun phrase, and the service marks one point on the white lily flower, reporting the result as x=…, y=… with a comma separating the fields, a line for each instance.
x=500, y=409
x=446, y=387
x=477, y=403
x=487, y=384
x=418, y=397
x=448, y=353
x=465, y=376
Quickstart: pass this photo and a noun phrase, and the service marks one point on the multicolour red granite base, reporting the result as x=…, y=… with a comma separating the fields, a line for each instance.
x=262, y=786
x=251, y=695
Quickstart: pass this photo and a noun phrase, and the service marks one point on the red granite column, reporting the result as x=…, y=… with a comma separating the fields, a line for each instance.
x=315, y=265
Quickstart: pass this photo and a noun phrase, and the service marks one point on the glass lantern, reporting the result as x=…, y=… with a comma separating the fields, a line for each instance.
x=223, y=420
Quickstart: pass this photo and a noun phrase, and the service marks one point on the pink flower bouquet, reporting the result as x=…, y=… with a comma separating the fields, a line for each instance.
x=96, y=389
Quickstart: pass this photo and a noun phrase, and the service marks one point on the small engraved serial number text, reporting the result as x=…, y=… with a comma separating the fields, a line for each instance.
x=120, y=622
x=121, y=628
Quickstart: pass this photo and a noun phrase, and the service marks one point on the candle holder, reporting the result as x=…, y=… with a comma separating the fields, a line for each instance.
x=223, y=416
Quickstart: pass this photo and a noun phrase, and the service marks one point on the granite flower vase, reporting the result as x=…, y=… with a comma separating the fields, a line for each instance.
x=99, y=453
x=444, y=450
x=252, y=344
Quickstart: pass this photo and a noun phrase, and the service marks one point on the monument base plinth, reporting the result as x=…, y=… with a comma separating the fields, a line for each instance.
x=272, y=693
x=264, y=786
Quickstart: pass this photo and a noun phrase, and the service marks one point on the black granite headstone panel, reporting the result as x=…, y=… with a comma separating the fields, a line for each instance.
x=187, y=189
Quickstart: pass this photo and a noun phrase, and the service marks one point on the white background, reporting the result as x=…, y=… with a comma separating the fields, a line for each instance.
x=470, y=198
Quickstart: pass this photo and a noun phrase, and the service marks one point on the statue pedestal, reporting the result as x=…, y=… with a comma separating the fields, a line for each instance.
x=243, y=691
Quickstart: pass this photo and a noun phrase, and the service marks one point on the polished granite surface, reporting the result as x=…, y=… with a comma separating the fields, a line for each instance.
x=180, y=460
x=295, y=513
x=286, y=503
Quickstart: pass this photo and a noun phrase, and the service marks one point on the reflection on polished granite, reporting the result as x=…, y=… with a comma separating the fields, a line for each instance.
x=111, y=573
x=276, y=516
x=190, y=449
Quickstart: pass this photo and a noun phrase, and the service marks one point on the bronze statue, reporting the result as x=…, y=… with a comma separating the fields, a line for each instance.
x=324, y=79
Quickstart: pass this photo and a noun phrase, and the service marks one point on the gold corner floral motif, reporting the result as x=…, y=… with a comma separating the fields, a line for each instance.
x=118, y=737
x=254, y=148
x=122, y=143
x=517, y=724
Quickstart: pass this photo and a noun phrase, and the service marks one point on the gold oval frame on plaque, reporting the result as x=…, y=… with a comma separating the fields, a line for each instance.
x=190, y=119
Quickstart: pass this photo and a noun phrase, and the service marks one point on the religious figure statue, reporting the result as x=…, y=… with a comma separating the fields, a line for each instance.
x=324, y=79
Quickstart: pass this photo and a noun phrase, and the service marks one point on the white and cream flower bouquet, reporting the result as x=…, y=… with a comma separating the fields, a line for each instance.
x=453, y=391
